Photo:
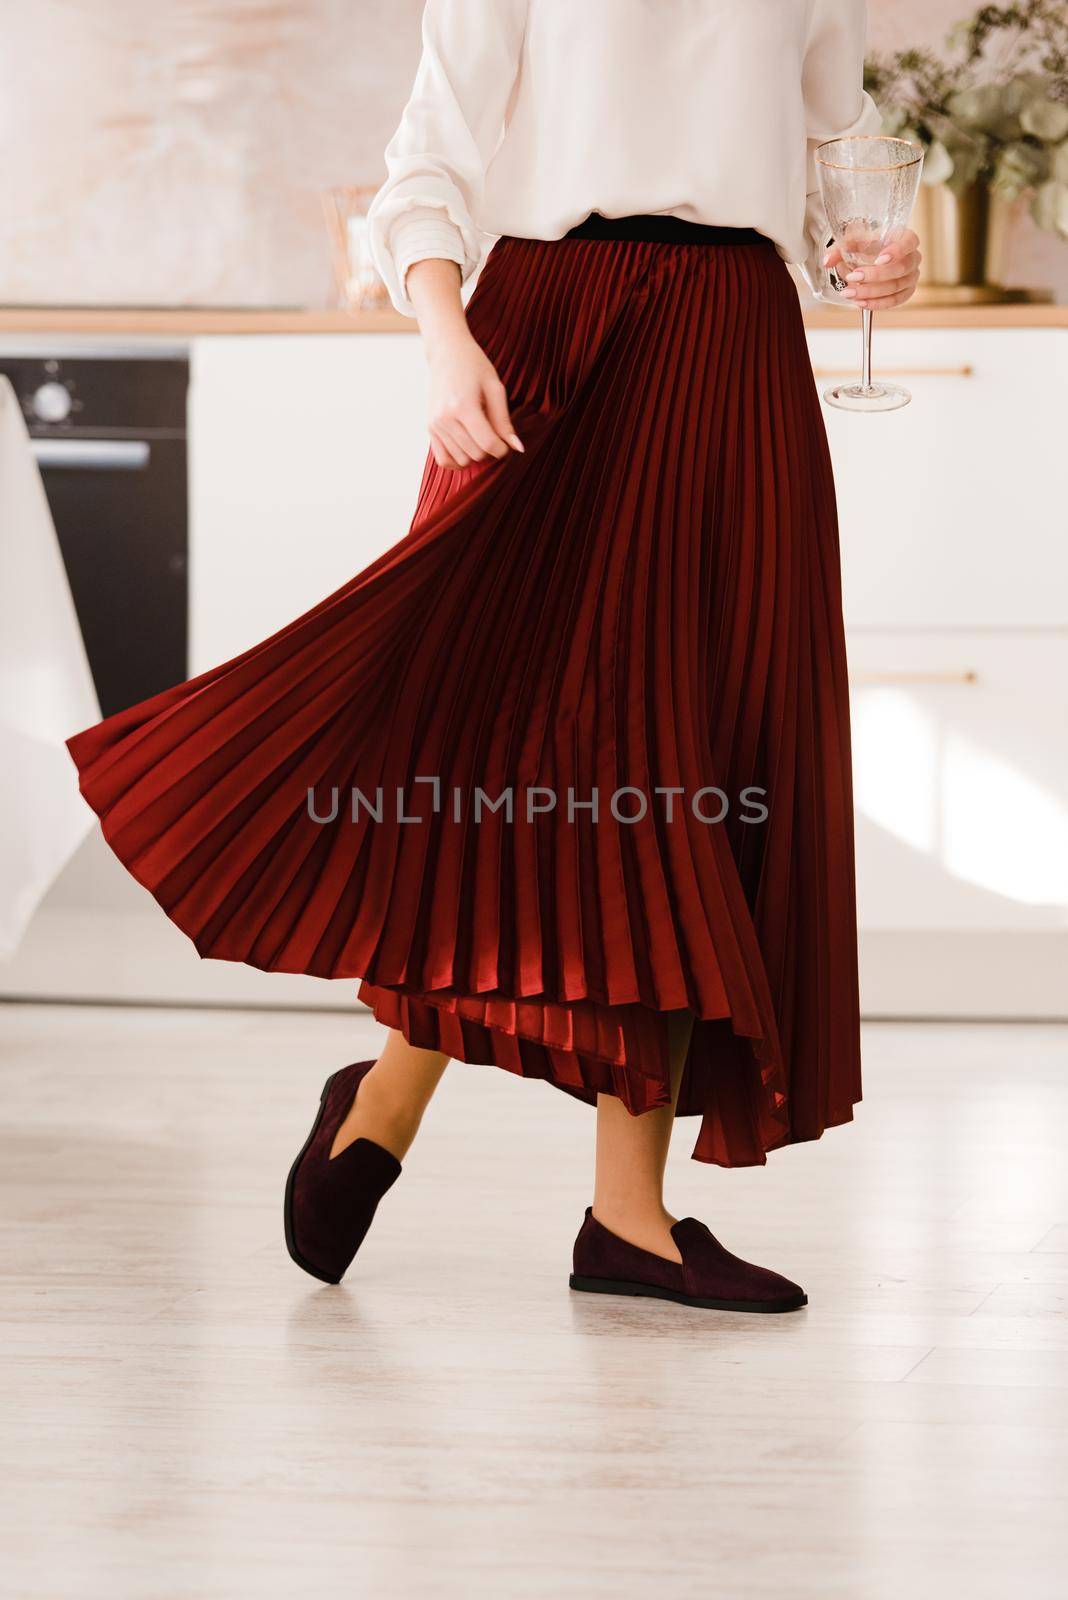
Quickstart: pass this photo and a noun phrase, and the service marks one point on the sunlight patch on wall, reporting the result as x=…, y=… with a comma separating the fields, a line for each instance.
x=978, y=815
x=895, y=760
x=1001, y=829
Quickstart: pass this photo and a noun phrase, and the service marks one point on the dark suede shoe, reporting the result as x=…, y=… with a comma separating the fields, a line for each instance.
x=709, y=1276
x=330, y=1205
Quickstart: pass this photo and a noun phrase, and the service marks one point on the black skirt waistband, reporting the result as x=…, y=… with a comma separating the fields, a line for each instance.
x=663, y=229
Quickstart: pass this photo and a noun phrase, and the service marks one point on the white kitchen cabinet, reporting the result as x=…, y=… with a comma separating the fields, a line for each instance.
x=306, y=454
x=953, y=519
x=961, y=791
x=953, y=510
x=960, y=770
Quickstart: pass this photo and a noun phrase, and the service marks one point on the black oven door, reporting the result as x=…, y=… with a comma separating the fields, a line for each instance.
x=119, y=507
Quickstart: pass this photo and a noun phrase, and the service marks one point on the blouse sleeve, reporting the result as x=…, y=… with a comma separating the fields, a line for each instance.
x=436, y=160
x=836, y=104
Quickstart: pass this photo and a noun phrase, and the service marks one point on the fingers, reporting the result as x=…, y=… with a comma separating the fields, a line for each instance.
x=455, y=447
x=474, y=428
x=874, y=275
x=466, y=431
x=893, y=258
x=875, y=281
x=886, y=301
x=891, y=279
x=445, y=454
x=480, y=430
x=497, y=408
x=865, y=289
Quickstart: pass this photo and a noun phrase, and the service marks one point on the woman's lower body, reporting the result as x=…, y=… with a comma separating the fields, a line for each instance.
x=573, y=757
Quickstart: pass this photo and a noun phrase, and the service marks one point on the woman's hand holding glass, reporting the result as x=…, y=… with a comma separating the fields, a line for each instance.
x=889, y=281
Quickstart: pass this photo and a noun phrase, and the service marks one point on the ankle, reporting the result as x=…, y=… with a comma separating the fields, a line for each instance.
x=388, y=1093
x=647, y=1226
x=383, y=1113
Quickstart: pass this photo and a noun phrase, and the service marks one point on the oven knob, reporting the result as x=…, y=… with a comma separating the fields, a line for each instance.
x=51, y=402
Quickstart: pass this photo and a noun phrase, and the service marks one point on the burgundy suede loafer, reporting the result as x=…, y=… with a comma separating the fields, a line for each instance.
x=709, y=1276
x=330, y=1205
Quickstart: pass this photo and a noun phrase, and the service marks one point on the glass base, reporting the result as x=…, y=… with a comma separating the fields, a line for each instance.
x=876, y=397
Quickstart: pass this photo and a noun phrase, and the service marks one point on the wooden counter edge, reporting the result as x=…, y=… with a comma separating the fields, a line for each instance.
x=194, y=321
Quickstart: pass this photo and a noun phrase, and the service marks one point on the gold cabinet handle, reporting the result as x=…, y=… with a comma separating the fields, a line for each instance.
x=934, y=675
x=965, y=370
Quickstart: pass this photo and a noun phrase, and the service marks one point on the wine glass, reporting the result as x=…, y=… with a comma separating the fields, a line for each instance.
x=868, y=183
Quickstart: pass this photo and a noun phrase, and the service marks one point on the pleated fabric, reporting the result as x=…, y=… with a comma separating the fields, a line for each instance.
x=647, y=600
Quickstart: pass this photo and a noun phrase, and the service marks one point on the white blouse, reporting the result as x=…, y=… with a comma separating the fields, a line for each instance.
x=526, y=115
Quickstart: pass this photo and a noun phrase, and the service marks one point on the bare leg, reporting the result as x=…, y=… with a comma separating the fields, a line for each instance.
x=392, y=1097
x=628, y=1196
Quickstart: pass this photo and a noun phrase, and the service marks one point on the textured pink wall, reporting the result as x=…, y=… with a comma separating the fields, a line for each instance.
x=172, y=152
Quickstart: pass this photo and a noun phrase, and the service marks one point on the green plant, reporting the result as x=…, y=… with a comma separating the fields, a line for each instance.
x=993, y=109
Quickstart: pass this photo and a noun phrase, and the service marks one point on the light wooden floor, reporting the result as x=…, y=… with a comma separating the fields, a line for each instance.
x=190, y=1417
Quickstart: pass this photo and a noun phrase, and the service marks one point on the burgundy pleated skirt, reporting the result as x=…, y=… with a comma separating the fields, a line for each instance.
x=633, y=631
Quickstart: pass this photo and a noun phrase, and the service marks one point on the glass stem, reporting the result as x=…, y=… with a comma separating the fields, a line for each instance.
x=865, y=347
